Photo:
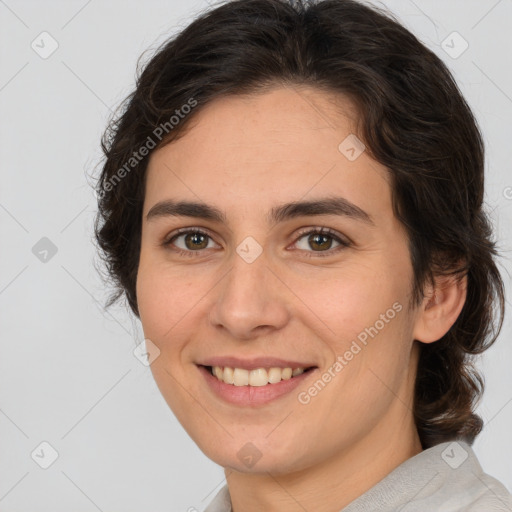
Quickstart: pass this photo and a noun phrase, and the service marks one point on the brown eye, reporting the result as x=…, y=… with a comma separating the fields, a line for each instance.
x=320, y=240
x=194, y=241
x=189, y=241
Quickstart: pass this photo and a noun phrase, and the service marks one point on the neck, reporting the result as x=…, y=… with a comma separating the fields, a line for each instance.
x=335, y=482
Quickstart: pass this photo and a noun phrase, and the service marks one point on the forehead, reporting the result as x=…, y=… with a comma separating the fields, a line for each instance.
x=253, y=151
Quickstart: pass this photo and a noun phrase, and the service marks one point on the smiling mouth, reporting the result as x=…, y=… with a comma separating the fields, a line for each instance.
x=257, y=377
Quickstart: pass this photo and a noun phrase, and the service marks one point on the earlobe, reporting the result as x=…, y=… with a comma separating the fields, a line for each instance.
x=440, y=308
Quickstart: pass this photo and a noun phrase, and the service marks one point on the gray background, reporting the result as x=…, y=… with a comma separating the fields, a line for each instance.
x=68, y=375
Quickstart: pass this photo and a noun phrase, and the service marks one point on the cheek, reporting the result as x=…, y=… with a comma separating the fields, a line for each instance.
x=363, y=321
x=164, y=297
x=351, y=298
x=149, y=298
x=166, y=306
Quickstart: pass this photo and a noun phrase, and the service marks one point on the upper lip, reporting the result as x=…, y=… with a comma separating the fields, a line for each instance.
x=256, y=362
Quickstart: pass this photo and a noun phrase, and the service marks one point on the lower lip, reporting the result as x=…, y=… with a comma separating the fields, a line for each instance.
x=252, y=395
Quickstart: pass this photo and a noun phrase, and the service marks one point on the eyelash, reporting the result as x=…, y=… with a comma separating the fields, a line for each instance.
x=307, y=231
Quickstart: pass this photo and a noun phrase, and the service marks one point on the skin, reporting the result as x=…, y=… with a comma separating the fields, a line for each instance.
x=245, y=155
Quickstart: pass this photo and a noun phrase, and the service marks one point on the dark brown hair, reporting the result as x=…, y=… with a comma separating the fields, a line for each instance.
x=413, y=119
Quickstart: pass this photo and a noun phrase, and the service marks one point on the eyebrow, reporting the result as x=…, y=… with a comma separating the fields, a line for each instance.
x=323, y=206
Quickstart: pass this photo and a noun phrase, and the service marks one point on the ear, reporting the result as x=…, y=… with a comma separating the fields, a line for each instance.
x=440, y=308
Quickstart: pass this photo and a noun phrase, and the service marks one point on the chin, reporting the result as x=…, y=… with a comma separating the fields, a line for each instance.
x=246, y=457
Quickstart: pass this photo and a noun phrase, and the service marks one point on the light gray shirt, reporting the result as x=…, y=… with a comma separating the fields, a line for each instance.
x=444, y=478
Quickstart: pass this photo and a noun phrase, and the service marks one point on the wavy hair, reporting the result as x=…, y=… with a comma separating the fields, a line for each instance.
x=413, y=120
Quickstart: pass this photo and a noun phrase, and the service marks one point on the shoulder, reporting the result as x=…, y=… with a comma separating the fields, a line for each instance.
x=445, y=478
x=465, y=486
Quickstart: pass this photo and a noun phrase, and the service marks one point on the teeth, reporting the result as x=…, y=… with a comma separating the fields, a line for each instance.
x=256, y=377
x=274, y=375
x=240, y=377
x=228, y=377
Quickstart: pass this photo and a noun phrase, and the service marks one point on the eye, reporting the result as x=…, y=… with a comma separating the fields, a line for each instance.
x=321, y=239
x=193, y=241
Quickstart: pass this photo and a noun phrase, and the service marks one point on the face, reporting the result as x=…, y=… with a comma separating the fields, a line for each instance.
x=240, y=281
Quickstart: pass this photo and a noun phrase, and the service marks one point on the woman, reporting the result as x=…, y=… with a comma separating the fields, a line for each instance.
x=292, y=204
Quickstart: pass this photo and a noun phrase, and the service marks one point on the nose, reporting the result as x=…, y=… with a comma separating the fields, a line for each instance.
x=250, y=300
